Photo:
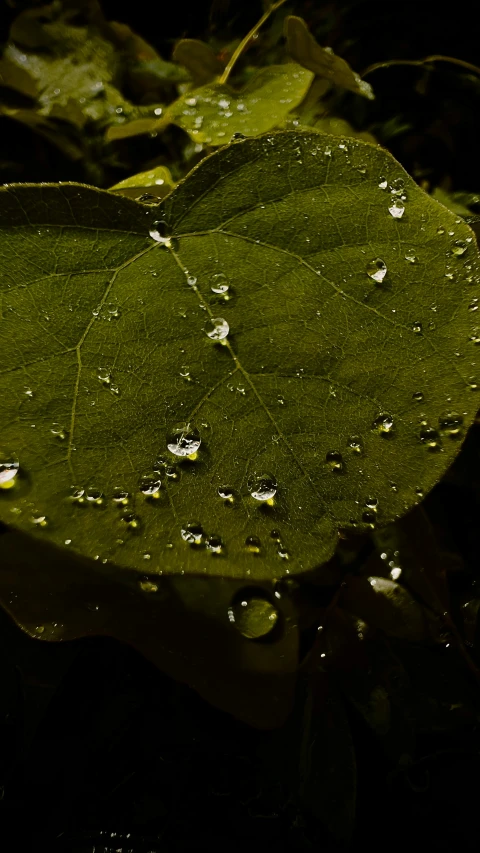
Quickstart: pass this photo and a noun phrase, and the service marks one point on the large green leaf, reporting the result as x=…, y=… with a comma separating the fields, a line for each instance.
x=346, y=376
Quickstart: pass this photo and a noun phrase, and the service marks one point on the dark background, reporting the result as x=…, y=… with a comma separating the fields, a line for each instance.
x=101, y=752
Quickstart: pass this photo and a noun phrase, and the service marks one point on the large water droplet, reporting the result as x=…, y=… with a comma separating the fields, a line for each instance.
x=451, y=423
x=217, y=329
x=262, y=487
x=383, y=424
x=94, y=496
x=183, y=440
x=159, y=233
x=376, y=270
x=397, y=186
x=397, y=209
x=9, y=467
x=192, y=533
x=253, y=614
x=150, y=486
x=334, y=461
x=459, y=247
x=191, y=280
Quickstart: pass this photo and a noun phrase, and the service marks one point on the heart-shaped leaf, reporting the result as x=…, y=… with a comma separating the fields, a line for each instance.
x=299, y=305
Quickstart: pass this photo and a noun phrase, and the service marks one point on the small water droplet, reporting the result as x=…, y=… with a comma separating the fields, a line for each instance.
x=171, y=472
x=417, y=396
x=39, y=629
x=430, y=438
x=383, y=424
x=39, y=520
x=459, y=247
x=219, y=283
x=185, y=373
x=283, y=553
x=58, y=431
x=131, y=520
x=150, y=486
x=396, y=208
x=334, y=461
x=383, y=183
x=77, y=495
x=376, y=270
x=397, y=186
x=104, y=375
x=94, y=497
x=372, y=503
x=253, y=544
x=184, y=440
x=262, y=487
x=475, y=337
x=192, y=533
x=120, y=497
x=440, y=230
x=417, y=328
x=217, y=329
x=214, y=544
x=450, y=423
x=355, y=444
x=191, y=280
x=148, y=198
x=226, y=493
x=9, y=467
x=473, y=305
x=253, y=614
x=410, y=256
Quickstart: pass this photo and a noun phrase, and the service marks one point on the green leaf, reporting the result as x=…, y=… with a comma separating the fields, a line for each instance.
x=303, y=48
x=199, y=59
x=212, y=114
x=340, y=315
x=155, y=182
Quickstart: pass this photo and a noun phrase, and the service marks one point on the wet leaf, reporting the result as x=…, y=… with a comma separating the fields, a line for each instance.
x=199, y=59
x=305, y=50
x=154, y=182
x=241, y=364
x=212, y=114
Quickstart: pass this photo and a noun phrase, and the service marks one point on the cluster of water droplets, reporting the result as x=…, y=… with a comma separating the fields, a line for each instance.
x=398, y=196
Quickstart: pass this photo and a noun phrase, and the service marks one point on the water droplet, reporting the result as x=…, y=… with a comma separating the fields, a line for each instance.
x=334, y=461
x=354, y=443
x=159, y=231
x=185, y=373
x=191, y=280
x=94, y=497
x=473, y=305
x=217, y=329
x=219, y=283
x=192, y=533
x=39, y=520
x=39, y=629
x=237, y=136
x=383, y=183
x=120, y=497
x=410, y=256
x=214, y=544
x=113, y=311
x=372, y=503
x=148, y=586
x=171, y=472
x=104, y=375
x=262, y=487
x=417, y=328
x=376, y=270
x=440, y=230
x=58, y=431
x=475, y=337
x=226, y=493
x=430, y=438
x=77, y=495
x=383, y=424
x=184, y=440
x=148, y=198
x=253, y=544
x=417, y=396
x=150, y=486
x=253, y=614
x=283, y=553
x=459, y=247
x=9, y=467
x=131, y=520
x=450, y=423
x=397, y=208
x=473, y=382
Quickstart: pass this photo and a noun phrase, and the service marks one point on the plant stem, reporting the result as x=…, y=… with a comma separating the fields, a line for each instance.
x=428, y=59
x=241, y=47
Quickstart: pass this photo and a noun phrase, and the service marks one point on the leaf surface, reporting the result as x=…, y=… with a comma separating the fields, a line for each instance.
x=347, y=392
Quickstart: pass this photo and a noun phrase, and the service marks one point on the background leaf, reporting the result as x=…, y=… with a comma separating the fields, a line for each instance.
x=333, y=381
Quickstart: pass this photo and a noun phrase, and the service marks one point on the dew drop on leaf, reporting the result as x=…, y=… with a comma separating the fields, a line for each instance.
x=226, y=493
x=183, y=439
x=120, y=496
x=214, y=544
x=253, y=544
x=417, y=396
x=334, y=461
x=440, y=230
x=104, y=375
x=383, y=424
x=131, y=520
x=9, y=467
x=262, y=487
x=253, y=615
x=191, y=280
x=219, y=283
x=459, y=248
x=383, y=183
x=94, y=497
x=58, y=431
x=430, y=438
x=148, y=586
x=417, y=328
x=376, y=270
x=450, y=423
x=410, y=256
x=473, y=305
x=77, y=495
x=150, y=486
x=217, y=329
x=355, y=444
x=396, y=209
x=192, y=533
